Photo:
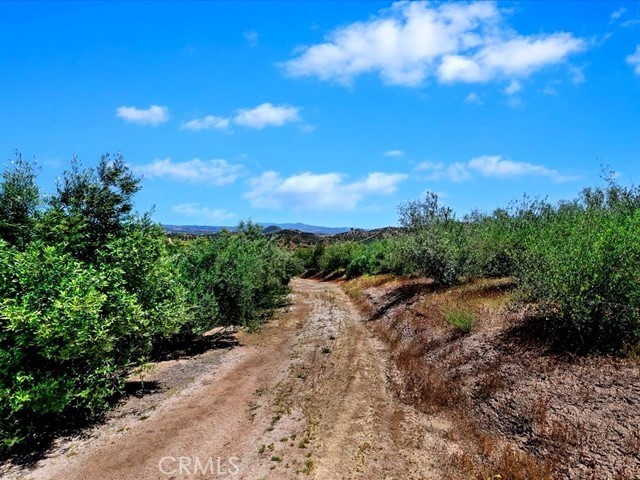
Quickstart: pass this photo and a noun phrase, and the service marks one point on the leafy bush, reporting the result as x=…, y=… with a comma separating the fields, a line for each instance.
x=235, y=279
x=88, y=289
x=438, y=244
x=336, y=257
x=19, y=201
x=580, y=269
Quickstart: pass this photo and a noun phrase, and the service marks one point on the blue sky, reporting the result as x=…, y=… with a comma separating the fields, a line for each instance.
x=327, y=113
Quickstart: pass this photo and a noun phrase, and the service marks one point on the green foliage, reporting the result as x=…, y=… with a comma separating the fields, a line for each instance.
x=90, y=206
x=460, y=317
x=336, y=257
x=88, y=289
x=576, y=262
x=19, y=201
x=235, y=279
x=581, y=270
x=438, y=246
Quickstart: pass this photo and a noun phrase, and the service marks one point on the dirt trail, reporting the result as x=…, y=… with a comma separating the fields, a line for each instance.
x=308, y=397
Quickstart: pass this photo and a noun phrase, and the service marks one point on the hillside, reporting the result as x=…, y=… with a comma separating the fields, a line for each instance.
x=212, y=229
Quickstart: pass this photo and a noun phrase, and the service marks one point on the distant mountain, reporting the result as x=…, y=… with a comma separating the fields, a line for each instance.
x=209, y=230
x=302, y=227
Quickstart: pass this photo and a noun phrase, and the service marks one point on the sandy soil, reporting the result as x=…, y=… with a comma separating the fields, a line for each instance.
x=310, y=396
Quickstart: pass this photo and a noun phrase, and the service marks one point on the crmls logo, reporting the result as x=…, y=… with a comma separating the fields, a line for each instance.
x=192, y=466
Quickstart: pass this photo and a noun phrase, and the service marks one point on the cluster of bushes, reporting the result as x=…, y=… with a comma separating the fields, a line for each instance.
x=235, y=278
x=354, y=259
x=88, y=288
x=577, y=262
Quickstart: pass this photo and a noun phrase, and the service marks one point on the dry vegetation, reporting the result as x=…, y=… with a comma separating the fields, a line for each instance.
x=522, y=410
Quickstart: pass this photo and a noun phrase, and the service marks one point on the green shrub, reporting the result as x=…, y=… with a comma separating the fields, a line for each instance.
x=580, y=269
x=58, y=340
x=235, y=279
x=19, y=201
x=437, y=245
x=336, y=257
x=88, y=289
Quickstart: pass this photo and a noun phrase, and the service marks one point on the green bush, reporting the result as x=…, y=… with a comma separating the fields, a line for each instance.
x=336, y=257
x=235, y=279
x=437, y=245
x=19, y=201
x=581, y=270
x=88, y=289
x=83, y=297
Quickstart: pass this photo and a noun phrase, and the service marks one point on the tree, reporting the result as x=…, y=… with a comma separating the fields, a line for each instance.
x=19, y=201
x=92, y=205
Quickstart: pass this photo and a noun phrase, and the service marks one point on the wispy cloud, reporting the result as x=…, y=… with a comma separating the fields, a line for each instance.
x=634, y=60
x=195, y=210
x=616, y=14
x=455, y=42
x=514, y=87
x=456, y=172
x=154, y=115
x=251, y=36
x=266, y=115
x=214, y=172
x=313, y=191
x=473, y=98
x=394, y=153
x=307, y=128
x=209, y=122
x=490, y=166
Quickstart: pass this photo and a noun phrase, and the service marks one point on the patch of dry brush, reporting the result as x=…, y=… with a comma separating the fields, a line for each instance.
x=520, y=410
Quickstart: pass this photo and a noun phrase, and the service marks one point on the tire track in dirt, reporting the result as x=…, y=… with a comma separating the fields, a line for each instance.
x=307, y=397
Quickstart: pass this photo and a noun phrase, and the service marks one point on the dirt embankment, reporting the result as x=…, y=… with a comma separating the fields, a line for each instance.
x=307, y=397
x=521, y=410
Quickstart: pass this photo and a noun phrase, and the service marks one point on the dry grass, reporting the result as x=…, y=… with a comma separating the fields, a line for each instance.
x=355, y=288
x=426, y=346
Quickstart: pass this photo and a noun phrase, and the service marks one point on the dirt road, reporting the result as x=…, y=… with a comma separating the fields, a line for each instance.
x=307, y=397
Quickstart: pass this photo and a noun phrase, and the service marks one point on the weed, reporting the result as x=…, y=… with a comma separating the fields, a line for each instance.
x=459, y=316
x=308, y=467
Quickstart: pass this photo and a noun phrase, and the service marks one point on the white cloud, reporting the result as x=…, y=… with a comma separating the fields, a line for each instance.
x=154, y=115
x=209, y=122
x=634, y=60
x=577, y=75
x=616, y=14
x=473, y=98
x=195, y=210
x=306, y=128
x=411, y=41
x=394, y=153
x=312, y=191
x=514, y=87
x=215, y=172
x=491, y=166
x=498, y=167
x=456, y=172
x=267, y=115
x=251, y=37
